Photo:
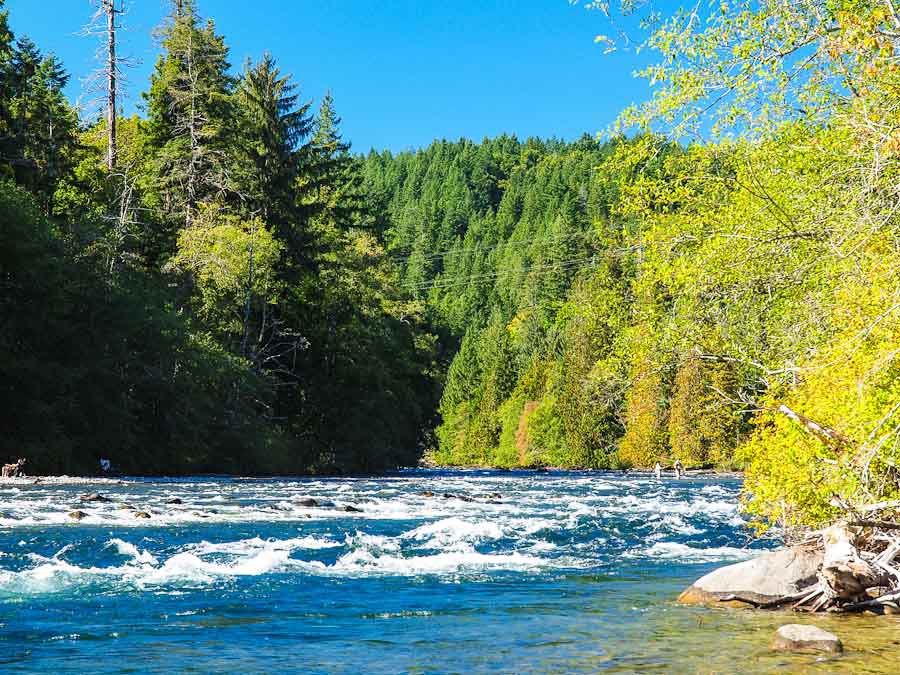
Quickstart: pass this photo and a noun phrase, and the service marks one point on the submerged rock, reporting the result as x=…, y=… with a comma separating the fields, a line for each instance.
x=125, y=507
x=427, y=493
x=309, y=501
x=768, y=577
x=77, y=515
x=95, y=497
x=174, y=500
x=795, y=637
x=350, y=509
x=464, y=498
x=141, y=514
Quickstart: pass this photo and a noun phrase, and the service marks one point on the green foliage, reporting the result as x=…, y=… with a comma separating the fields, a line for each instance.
x=702, y=422
x=244, y=294
x=214, y=304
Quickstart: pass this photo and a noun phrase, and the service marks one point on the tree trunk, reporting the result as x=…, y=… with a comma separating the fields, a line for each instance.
x=111, y=84
x=829, y=437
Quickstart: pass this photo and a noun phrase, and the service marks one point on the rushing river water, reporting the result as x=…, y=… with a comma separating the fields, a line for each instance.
x=437, y=572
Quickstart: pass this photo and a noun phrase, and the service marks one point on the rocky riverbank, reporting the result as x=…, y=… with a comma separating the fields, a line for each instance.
x=790, y=578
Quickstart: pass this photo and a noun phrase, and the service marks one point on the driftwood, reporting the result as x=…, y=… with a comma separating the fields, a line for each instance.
x=860, y=567
x=769, y=604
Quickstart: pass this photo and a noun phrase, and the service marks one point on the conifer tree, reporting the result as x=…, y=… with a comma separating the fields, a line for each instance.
x=190, y=115
x=334, y=173
x=275, y=130
x=7, y=145
x=41, y=124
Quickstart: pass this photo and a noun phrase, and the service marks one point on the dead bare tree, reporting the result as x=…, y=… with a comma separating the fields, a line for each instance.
x=103, y=86
x=109, y=7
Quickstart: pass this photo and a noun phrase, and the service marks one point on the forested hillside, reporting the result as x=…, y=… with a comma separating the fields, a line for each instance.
x=207, y=293
x=221, y=284
x=727, y=302
x=536, y=258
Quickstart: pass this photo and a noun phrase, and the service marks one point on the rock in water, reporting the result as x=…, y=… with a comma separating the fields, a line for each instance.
x=309, y=501
x=350, y=509
x=763, y=579
x=77, y=515
x=141, y=514
x=795, y=637
x=95, y=497
x=174, y=500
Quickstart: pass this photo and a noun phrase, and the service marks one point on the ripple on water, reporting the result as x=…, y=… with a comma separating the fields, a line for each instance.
x=437, y=571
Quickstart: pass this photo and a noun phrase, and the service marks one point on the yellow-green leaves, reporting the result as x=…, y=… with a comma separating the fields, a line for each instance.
x=232, y=262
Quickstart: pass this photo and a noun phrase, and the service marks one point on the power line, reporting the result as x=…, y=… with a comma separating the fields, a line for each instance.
x=453, y=282
x=449, y=253
x=465, y=280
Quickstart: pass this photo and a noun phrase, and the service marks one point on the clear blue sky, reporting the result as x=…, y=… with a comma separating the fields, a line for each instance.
x=402, y=72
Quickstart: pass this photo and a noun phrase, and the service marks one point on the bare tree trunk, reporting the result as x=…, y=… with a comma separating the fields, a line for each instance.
x=109, y=6
x=827, y=436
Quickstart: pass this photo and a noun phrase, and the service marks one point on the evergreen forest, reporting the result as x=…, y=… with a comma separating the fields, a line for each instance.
x=222, y=284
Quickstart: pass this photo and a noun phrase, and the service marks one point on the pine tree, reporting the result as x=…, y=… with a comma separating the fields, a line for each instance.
x=41, y=123
x=7, y=145
x=275, y=130
x=190, y=115
x=332, y=188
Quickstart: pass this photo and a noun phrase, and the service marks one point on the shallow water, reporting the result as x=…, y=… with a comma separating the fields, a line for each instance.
x=539, y=573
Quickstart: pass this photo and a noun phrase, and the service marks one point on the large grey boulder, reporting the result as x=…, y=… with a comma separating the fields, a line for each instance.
x=796, y=637
x=768, y=577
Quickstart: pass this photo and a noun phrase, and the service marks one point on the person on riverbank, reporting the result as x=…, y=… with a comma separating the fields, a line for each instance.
x=15, y=469
x=679, y=469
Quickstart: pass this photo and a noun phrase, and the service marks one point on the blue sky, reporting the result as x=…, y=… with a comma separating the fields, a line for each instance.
x=402, y=72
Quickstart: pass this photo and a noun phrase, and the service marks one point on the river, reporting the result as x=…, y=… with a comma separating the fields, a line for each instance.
x=434, y=572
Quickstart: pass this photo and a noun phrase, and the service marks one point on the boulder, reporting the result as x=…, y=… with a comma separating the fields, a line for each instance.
x=95, y=497
x=796, y=637
x=141, y=514
x=309, y=501
x=77, y=515
x=763, y=579
x=350, y=509
x=174, y=500
x=464, y=498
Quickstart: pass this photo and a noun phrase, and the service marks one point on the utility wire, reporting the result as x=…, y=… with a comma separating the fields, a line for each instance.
x=466, y=280
x=450, y=253
x=453, y=282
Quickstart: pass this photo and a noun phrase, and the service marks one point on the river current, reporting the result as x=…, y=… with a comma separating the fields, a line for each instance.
x=414, y=572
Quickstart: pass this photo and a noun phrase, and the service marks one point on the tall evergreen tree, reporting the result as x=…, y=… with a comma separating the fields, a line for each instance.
x=190, y=116
x=275, y=130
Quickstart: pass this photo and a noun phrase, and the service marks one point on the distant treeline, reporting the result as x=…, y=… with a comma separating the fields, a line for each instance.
x=532, y=256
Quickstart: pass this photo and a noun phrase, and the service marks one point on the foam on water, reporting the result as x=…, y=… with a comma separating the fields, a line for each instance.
x=670, y=550
x=430, y=571
x=442, y=525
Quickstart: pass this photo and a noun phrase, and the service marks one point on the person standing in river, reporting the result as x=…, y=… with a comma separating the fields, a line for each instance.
x=679, y=468
x=658, y=470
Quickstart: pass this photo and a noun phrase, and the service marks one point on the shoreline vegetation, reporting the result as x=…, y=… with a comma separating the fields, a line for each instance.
x=230, y=289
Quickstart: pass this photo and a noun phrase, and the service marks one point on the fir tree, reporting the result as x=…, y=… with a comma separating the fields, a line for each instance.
x=190, y=116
